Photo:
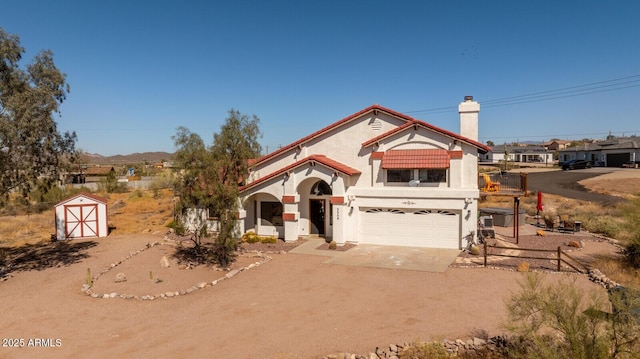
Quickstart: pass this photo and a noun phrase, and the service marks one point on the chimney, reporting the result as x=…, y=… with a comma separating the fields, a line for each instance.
x=468, y=111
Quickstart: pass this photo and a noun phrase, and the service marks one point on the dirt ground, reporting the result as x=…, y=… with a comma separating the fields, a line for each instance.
x=292, y=306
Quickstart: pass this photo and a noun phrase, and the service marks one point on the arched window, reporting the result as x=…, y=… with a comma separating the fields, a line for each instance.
x=320, y=188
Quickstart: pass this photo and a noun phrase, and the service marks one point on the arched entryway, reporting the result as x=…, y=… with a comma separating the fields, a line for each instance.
x=319, y=216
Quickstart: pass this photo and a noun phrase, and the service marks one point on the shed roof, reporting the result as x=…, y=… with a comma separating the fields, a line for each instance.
x=83, y=194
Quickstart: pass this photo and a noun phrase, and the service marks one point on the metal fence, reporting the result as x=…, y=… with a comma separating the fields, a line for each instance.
x=503, y=183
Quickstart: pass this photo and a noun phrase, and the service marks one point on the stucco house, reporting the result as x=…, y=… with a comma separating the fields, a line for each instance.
x=377, y=177
x=555, y=145
x=612, y=152
x=536, y=154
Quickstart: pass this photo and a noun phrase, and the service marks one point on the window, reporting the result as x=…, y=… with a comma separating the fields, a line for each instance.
x=320, y=188
x=424, y=175
x=399, y=175
x=432, y=175
x=271, y=213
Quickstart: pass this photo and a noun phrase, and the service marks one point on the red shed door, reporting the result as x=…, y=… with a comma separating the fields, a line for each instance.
x=81, y=220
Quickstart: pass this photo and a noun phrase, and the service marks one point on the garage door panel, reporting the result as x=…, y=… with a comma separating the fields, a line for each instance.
x=418, y=228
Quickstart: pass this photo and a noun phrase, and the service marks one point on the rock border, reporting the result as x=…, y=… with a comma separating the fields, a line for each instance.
x=87, y=289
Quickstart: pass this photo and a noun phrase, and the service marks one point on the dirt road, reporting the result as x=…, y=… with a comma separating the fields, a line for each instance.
x=291, y=307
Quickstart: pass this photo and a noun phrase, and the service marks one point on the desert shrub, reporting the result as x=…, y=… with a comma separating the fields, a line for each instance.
x=423, y=350
x=177, y=227
x=137, y=193
x=161, y=181
x=605, y=225
x=269, y=239
x=250, y=237
x=561, y=321
x=632, y=252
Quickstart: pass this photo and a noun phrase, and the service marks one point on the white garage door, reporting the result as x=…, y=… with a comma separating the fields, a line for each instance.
x=408, y=227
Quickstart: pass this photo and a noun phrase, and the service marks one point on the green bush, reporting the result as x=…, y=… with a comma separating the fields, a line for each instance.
x=605, y=225
x=251, y=237
x=269, y=240
x=632, y=252
x=177, y=227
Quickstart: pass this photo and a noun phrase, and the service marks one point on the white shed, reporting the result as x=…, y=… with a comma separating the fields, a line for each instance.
x=82, y=216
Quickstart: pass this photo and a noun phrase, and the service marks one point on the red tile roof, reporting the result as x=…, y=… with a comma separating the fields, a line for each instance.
x=321, y=159
x=405, y=159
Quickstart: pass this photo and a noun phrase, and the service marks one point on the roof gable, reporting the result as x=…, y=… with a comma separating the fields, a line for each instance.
x=333, y=126
x=413, y=123
x=83, y=194
x=321, y=159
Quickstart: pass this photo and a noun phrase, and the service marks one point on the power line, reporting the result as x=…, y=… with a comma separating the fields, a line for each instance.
x=567, y=135
x=564, y=92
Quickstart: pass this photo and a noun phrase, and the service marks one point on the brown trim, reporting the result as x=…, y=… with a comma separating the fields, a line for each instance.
x=455, y=155
x=289, y=217
x=377, y=155
x=288, y=199
x=337, y=200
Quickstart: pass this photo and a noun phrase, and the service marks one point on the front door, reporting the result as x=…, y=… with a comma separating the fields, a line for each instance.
x=317, y=216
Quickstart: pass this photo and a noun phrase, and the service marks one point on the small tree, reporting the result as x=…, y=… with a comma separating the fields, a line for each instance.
x=196, y=168
x=210, y=177
x=236, y=143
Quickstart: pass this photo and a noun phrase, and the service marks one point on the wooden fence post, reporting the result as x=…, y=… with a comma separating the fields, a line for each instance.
x=485, y=252
x=559, y=258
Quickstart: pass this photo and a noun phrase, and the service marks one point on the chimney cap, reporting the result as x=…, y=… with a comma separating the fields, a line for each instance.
x=468, y=98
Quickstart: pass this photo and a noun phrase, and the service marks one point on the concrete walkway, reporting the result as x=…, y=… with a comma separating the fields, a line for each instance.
x=389, y=257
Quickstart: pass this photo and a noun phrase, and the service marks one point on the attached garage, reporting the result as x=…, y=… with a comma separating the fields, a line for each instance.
x=410, y=227
x=82, y=216
x=617, y=159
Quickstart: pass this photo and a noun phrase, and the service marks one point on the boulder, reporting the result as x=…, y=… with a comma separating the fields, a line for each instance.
x=120, y=277
x=523, y=267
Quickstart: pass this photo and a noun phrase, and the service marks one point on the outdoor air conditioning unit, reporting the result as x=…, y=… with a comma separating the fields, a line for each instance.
x=486, y=226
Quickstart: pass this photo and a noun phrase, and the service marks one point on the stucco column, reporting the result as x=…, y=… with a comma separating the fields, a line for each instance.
x=290, y=217
x=377, y=174
x=339, y=212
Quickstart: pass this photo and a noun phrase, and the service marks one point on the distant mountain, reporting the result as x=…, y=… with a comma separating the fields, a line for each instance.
x=148, y=157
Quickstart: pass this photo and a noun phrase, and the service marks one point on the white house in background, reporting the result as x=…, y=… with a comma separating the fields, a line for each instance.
x=535, y=154
x=377, y=176
x=82, y=216
x=612, y=152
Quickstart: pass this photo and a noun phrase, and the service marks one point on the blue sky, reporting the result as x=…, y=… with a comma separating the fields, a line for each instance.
x=140, y=69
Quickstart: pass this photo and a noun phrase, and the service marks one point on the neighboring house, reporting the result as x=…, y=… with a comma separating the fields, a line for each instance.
x=377, y=177
x=89, y=174
x=555, y=145
x=612, y=152
x=81, y=216
x=537, y=154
